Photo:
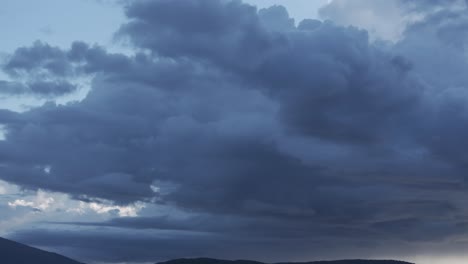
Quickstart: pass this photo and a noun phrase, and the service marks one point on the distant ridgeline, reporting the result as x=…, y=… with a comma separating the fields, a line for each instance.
x=219, y=261
x=15, y=253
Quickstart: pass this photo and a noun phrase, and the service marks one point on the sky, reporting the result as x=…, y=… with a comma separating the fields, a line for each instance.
x=137, y=131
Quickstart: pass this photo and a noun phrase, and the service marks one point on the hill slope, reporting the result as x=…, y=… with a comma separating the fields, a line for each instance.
x=15, y=253
x=218, y=261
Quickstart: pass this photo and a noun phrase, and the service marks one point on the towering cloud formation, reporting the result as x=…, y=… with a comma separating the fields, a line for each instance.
x=297, y=134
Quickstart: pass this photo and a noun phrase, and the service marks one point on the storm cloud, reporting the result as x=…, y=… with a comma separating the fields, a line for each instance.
x=255, y=131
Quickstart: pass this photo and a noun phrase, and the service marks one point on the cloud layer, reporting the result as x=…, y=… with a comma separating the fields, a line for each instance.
x=250, y=130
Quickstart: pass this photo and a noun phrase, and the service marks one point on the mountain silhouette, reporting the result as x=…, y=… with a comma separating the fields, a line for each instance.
x=219, y=261
x=15, y=253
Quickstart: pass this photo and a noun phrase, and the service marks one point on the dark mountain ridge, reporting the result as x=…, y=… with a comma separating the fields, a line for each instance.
x=16, y=253
x=220, y=261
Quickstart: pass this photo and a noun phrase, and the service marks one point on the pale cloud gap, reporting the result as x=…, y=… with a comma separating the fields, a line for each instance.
x=383, y=19
x=43, y=202
x=2, y=133
x=123, y=211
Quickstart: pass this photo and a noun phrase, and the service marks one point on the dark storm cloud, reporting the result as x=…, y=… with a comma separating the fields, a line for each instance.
x=51, y=87
x=446, y=20
x=442, y=30
x=285, y=65
x=42, y=61
x=449, y=26
x=354, y=87
x=39, y=58
x=11, y=87
x=288, y=132
x=38, y=88
x=276, y=18
x=39, y=70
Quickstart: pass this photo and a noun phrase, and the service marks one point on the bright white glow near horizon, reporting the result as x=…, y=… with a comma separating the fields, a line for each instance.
x=444, y=259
